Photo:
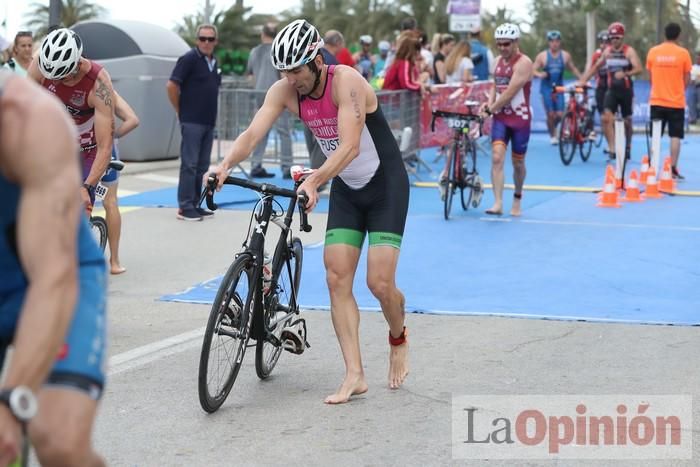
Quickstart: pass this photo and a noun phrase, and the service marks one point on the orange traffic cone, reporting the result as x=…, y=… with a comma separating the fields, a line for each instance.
x=632, y=189
x=609, y=197
x=666, y=184
x=644, y=171
x=652, y=186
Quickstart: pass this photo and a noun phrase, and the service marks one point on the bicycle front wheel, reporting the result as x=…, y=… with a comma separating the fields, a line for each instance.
x=227, y=333
x=567, y=138
x=586, y=144
x=98, y=226
x=452, y=174
x=469, y=174
x=281, y=301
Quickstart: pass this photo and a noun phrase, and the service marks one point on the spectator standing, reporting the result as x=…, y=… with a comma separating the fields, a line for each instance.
x=380, y=58
x=445, y=45
x=364, y=57
x=265, y=75
x=458, y=64
x=21, y=53
x=193, y=90
x=669, y=72
x=482, y=57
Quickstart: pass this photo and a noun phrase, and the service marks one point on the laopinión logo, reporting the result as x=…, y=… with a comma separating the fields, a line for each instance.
x=572, y=427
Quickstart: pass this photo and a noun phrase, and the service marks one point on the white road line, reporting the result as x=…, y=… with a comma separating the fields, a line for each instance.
x=159, y=178
x=148, y=353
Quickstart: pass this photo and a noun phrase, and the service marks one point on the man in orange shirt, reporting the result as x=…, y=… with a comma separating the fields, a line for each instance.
x=669, y=71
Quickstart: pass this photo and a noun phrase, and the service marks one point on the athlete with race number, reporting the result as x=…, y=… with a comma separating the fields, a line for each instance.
x=369, y=193
x=85, y=88
x=621, y=62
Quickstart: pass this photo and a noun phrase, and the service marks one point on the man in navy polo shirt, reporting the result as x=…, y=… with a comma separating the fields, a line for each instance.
x=193, y=90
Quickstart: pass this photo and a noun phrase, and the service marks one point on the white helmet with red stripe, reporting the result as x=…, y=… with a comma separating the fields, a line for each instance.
x=295, y=45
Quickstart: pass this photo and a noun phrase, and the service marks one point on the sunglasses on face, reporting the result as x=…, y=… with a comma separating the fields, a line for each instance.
x=206, y=38
x=615, y=38
x=504, y=44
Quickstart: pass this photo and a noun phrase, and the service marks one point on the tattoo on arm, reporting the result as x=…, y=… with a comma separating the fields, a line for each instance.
x=105, y=94
x=355, y=103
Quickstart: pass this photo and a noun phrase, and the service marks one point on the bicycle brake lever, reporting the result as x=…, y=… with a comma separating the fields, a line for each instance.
x=304, y=218
x=208, y=193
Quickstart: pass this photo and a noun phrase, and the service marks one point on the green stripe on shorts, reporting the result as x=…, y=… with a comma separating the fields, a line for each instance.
x=385, y=239
x=346, y=237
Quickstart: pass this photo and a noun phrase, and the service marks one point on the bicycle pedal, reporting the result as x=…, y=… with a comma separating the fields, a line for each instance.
x=294, y=337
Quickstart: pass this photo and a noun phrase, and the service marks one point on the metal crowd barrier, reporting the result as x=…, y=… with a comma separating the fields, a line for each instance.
x=238, y=104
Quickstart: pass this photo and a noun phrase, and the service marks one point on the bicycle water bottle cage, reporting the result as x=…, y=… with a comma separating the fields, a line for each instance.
x=299, y=172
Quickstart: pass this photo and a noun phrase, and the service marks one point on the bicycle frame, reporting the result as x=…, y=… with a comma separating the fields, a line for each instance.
x=255, y=244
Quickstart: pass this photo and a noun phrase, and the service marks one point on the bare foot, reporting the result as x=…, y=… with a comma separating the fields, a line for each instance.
x=352, y=385
x=398, y=365
x=495, y=210
x=515, y=209
x=116, y=269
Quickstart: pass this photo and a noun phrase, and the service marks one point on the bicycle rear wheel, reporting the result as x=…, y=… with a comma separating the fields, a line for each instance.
x=567, y=138
x=469, y=174
x=586, y=144
x=227, y=333
x=98, y=226
x=278, y=303
x=452, y=173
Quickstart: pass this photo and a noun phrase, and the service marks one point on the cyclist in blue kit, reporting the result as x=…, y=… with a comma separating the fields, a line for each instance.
x=52, y=284
x=549, y=67
x=369, y=193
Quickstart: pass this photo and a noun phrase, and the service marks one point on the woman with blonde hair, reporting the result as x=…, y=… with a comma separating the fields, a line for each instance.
x=458, y=65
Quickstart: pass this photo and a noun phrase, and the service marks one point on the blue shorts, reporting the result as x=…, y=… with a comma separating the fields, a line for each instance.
x=552, y=102
x=111, y=175
x=81, y=360
x=518, y=137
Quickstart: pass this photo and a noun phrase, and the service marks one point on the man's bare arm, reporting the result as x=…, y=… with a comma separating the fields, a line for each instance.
x=49, y=177
x=592, y=69
x=522, y=73
x=634, y=60
x=126, y=114
x=570, y=63
x=173, y=89
x=103, y=101
x=539, y=64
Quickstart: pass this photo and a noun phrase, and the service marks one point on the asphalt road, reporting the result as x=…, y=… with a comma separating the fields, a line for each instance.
x=150, y=415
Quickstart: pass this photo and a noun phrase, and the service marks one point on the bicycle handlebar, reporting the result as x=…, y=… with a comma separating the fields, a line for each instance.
x=455, y=115
x=264, y=188
x=572, y=89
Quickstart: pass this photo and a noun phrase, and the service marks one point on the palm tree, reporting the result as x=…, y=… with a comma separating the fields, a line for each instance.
x=72, y=11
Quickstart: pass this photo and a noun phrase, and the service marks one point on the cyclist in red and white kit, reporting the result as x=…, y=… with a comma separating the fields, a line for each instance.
x=509, y=103
x=621, y=62
x=85, y=89
x=369, y=194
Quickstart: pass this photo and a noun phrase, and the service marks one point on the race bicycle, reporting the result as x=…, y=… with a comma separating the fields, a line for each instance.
x=576, y=127
x=258, y=295
x=98, y=224
x=462, y=173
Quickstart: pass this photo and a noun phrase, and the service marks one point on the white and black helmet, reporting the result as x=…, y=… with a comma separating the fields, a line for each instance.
x=295, y=45
x=507, y=31
x=60, y=52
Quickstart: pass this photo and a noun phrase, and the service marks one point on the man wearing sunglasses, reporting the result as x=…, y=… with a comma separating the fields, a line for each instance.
x=621, y=62
x=601, y=79
x=549, y=67
x=509, y=103
x=193, y=91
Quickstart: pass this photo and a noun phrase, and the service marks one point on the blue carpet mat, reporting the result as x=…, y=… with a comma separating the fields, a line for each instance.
x=564, y=259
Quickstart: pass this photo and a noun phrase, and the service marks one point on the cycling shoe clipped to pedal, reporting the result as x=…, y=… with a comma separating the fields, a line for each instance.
x=477, y=191
x=293, y=337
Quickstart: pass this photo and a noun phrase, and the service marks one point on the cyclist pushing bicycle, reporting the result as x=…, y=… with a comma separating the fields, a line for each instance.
x=369, y=194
